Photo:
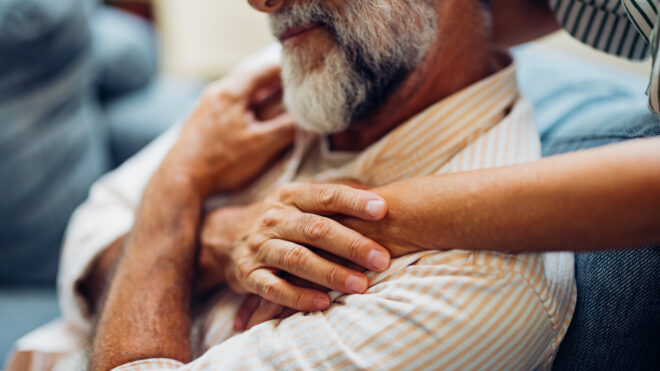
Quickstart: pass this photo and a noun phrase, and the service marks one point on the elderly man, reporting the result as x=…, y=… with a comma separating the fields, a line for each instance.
x=381, y=91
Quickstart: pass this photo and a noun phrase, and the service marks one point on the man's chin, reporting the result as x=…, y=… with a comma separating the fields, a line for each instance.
x=310, y=49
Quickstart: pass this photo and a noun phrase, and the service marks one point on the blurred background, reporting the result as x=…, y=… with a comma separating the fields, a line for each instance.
x=84, y=84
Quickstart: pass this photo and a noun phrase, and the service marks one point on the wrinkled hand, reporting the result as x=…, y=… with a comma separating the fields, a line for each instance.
x=401, y=232
x=253, y=245
x=255, y=310
x=226, y=141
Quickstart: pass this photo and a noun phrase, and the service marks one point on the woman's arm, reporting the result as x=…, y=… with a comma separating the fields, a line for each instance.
x=519, y=21
x=604, y=198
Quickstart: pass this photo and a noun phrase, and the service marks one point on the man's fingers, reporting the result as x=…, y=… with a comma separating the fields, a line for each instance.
x=266, y=284
x=266, y=310
x=244, y=313
x=279, y=131
x=338, y=199
x=246, y=84
x=288, y=312
x=329, y=235
x=301, y=262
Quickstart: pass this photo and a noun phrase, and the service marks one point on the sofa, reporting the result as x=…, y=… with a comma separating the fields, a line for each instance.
x=79, y=93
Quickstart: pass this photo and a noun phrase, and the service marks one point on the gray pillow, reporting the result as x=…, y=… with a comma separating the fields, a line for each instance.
x=52, y=143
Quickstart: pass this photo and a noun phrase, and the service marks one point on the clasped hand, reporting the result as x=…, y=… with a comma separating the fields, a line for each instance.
x=287, y=249
x=251, y=246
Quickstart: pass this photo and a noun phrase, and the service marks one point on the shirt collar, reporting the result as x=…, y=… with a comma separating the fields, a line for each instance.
x=425, y=142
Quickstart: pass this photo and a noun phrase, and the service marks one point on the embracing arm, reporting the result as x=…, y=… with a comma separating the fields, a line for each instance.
x=519, y=21
x=602, y=198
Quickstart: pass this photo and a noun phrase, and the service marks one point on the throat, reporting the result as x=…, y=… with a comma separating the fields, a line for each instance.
x=360, y=136
x=421, y=89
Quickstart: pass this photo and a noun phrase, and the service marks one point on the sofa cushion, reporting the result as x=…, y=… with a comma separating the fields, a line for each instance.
x=52, y=141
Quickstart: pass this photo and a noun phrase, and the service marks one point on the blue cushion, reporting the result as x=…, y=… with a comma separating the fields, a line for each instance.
x=137, y=118
x=563, y=87
x=23, y=310
x=125, y=55
x=580, y=104
x=52, y=141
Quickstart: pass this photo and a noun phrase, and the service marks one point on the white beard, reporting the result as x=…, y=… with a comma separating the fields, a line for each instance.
x=379, y=42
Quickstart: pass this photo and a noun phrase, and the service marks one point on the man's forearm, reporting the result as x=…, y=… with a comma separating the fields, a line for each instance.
x=519, y=21
x=598, y=199
x=149, y=297
x=94, y=284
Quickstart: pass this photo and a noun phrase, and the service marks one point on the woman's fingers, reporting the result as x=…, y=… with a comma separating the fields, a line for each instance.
x=269, y=286
x=335, y=199
x=301, y=262
x=266, y=310
x=329, y=235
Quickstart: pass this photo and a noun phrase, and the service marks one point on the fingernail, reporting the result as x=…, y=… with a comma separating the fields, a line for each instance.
x=378, y=260
x=322, y=303
x=356, y=284
x=375, y=208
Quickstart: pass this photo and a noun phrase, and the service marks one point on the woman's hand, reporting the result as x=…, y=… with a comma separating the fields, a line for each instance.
x=253, y=245
x=227, y=140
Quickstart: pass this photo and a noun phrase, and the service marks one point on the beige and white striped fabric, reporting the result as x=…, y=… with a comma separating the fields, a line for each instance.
x=430, y=310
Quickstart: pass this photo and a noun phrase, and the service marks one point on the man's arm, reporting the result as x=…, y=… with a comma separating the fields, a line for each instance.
x=223, y=144
x=147, y=309
x=602, y=198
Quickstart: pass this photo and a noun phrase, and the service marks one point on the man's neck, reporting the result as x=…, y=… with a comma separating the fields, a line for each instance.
x=430, y=83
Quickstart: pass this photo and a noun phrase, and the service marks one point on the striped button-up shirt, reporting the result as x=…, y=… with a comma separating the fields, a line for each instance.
x=627, y=28
x=451, y=309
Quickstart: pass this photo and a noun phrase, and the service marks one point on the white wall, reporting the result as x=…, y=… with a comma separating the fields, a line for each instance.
x=205, y=38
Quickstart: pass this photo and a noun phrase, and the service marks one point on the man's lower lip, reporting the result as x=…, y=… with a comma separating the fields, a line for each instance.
x=299, y=33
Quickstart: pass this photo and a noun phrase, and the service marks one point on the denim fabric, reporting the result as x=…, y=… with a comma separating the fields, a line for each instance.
x=617, y=317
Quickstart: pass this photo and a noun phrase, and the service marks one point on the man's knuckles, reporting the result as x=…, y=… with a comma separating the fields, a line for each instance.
x=268, y=288
x=327, y=198
x=354, y=249
x=334, y=277
x=286, y=194
x=294, y=258
x=255, y=241
x=244, y=269
x=315, y=228
x=271, y=218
